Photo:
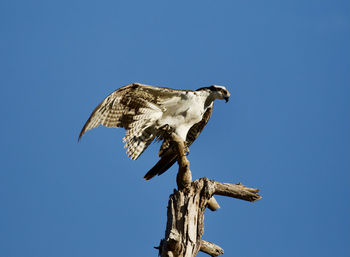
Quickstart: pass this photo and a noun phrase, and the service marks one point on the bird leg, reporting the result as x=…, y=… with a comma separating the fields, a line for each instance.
x=165, y=131
x=184, y=176
x=167, y=128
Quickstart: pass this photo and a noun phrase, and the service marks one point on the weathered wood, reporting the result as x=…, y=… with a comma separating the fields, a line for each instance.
x=213, y=204
x=210, y=248
x=186, y=217
x=238, y=191
x=186, y=207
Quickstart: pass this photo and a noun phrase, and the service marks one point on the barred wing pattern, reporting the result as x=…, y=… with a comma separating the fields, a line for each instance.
x=135, y=107
x=166, y=152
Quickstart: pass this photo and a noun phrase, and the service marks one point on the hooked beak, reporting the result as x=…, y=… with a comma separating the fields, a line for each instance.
x=227, y=98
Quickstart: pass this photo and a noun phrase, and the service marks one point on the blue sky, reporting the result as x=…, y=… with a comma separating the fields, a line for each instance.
x=286, y=129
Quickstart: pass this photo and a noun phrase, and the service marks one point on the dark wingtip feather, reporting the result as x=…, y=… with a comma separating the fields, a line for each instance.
x=161, y=166
x=84, y=128
x=152, y=172
x=80, y=135
x=148, y=176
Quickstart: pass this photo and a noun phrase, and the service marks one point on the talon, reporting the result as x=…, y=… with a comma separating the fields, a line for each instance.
x=167, y=128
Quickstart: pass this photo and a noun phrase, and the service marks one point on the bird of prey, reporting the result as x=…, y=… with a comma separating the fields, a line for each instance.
x=145, y=111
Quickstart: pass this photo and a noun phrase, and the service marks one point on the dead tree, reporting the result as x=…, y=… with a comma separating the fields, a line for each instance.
x=185, y=224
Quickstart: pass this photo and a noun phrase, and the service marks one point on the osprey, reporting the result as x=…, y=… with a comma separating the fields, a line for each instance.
x=146, y=111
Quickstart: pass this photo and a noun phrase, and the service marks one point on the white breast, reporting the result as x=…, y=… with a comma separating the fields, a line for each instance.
x=183, y=112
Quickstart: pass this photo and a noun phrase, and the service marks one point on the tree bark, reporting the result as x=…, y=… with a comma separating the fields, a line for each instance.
x=186, y=207
x=210, y=248
x=185, y=225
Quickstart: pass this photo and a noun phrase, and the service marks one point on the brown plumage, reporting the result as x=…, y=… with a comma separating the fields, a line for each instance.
x=144, y=110
x=130, y=108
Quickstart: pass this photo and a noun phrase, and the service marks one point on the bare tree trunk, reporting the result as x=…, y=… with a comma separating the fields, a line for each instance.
x=185, y=224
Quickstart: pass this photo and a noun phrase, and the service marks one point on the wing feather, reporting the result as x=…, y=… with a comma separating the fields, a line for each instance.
x=197, y=128
x=135, y=107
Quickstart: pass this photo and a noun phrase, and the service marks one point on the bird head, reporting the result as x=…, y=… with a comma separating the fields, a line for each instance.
x=220, y=92
x=217, y=92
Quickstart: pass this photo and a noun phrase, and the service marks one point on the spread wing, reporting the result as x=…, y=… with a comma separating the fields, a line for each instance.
x=166, y=152
x=136, y=108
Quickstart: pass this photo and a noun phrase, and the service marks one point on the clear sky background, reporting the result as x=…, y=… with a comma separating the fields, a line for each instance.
x=286, y=129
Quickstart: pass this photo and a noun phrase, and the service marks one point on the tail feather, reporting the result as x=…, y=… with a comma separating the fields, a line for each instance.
x=161, y=166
